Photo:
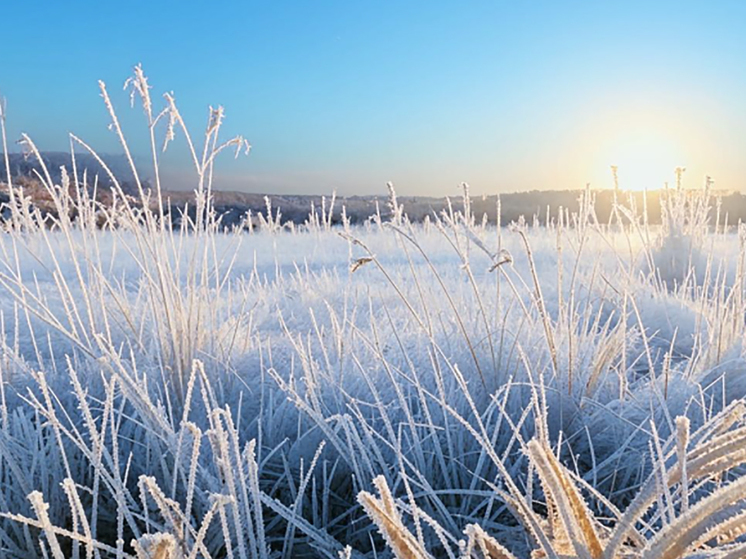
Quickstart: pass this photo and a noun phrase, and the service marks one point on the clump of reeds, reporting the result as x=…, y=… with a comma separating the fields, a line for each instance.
x=661, y=522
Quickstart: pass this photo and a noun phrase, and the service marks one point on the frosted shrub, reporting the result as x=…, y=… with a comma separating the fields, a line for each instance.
x=681, y=256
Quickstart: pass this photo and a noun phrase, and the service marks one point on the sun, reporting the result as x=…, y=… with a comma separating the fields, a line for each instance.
x=644, y=159
x=645, y=146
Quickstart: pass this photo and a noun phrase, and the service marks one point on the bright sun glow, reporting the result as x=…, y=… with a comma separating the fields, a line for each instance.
x=645, y=160
x=646, y=147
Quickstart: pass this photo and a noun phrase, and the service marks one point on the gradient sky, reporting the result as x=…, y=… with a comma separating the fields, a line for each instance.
x=347, y=95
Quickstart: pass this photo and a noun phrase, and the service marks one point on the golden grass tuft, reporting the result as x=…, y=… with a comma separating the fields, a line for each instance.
x=384, y=514
x=157, y=546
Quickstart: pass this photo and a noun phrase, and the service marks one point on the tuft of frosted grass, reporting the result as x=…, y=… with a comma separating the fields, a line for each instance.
x=570, y=528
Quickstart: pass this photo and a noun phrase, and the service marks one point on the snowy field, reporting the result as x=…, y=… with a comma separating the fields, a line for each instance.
x=200, y=393
x=440, y=389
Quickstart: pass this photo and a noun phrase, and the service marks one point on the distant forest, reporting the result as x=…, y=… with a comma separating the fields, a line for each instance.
x=234, y=206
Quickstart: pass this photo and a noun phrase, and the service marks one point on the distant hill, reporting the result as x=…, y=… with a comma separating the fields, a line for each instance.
x=26, y=166
x=532, y=205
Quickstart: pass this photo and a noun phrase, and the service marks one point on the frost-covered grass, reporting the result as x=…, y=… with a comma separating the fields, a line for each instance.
x=194, y=392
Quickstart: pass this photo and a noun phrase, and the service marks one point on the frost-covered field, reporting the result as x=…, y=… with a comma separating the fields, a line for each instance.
x=170, y=382
x=575, y=390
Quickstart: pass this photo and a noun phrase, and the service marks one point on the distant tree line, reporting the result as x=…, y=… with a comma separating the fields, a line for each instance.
x=234, y=207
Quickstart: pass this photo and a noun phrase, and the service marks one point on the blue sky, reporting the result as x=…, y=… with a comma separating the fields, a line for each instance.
x=347, y=95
